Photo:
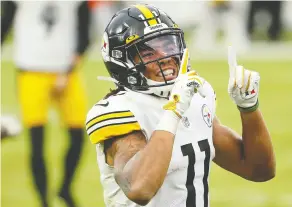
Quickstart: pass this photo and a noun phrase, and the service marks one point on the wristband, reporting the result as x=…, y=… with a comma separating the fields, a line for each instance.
x=168, y=122
x=249, y=109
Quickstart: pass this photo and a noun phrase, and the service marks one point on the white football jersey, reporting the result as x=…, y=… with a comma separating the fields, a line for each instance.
x=45, y=35
x=186, y=183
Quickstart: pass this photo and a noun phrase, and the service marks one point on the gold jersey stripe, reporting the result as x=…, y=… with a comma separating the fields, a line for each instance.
x=147, y=14
x=113, y=130
x=111, y=115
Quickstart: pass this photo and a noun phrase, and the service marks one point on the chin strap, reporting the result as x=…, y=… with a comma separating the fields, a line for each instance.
x=161, y=91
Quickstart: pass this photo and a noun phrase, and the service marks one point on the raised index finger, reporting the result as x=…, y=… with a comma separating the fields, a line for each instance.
x=232, y=62
x=184, y=62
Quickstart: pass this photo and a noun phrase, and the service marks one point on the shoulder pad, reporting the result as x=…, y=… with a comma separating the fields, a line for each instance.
x=109, y=118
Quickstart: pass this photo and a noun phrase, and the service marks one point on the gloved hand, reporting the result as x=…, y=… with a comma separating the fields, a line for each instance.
x=183, y=90
x=185, y=86
x=243, y=85
x=60, y=85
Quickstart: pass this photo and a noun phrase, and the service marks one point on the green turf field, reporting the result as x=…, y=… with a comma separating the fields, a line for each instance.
x=226, y=189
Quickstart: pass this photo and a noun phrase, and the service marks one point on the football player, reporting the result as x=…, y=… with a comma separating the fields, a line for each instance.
x=50, y=38
x=228, y=17
x=157, y=133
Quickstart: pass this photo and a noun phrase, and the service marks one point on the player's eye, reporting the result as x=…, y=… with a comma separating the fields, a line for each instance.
x=147, y=54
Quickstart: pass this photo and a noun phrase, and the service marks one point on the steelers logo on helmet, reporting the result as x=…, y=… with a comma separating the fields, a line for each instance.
x=105, y=47
x=146, y=45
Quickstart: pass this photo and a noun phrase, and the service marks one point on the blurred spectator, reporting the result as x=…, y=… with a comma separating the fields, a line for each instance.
x=274, y=9
x=50, y=39
x=228, y=17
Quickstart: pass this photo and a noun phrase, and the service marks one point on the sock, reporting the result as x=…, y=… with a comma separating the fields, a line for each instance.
x=38, y=167
x=71, y=162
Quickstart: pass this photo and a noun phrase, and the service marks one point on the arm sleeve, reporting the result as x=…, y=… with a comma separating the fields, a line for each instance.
x=83, y=26
x=8, y=10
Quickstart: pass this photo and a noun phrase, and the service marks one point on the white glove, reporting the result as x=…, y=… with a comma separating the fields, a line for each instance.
x=186, y=84
x=243, y=85
x=183, y=90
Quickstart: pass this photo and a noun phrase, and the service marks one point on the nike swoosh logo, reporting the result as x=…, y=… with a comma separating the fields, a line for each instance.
x=105, y=104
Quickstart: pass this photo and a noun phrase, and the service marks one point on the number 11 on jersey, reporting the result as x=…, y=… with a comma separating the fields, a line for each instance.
x=188, y=150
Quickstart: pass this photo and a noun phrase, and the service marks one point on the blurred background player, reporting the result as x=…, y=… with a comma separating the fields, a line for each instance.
x=50, y=38
x=273, y=8
x=227, y=17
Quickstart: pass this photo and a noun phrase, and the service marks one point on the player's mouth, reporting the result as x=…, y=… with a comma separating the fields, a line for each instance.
x=169, y=74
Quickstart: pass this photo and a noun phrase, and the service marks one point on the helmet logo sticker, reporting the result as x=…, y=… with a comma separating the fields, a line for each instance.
x=132, y=38
x=105, y=48
x=152, y=28
x=132, y=80
x=117, y=54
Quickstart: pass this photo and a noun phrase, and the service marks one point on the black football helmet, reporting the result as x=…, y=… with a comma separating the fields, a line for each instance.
x=132, y=30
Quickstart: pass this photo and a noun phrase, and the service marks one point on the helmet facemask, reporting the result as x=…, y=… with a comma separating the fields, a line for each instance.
x=156, y=57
